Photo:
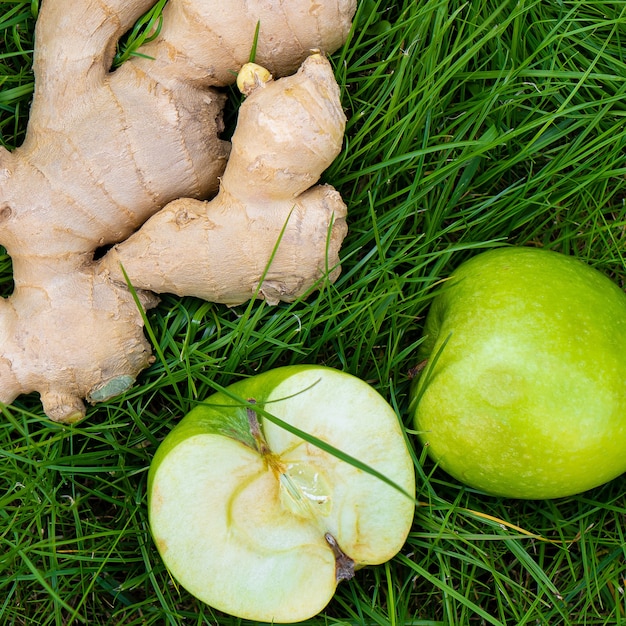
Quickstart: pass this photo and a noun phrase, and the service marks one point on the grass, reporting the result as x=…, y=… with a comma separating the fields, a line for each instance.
x=471, y=124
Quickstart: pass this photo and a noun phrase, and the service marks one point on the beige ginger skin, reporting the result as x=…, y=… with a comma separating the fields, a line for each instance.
x=269, y=227
x=105, y=151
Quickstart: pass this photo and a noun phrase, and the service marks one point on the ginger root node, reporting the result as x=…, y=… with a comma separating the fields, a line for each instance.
x=251, y=77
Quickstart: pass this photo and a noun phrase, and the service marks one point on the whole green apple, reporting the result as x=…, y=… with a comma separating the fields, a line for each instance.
x=257, y=522
x=524, y=390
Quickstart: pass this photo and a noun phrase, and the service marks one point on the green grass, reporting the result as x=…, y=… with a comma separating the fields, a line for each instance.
x=471, y=124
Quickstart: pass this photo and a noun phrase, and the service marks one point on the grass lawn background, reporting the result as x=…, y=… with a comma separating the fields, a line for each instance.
x=471, y=125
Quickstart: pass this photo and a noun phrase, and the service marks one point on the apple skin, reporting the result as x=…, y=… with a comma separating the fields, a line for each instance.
x=222, y=522
x=524, y=391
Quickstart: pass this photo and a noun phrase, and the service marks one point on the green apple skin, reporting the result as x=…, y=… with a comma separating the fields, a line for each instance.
x=231, y=534
x=524, y=391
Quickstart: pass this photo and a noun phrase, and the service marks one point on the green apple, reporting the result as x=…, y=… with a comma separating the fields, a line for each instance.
x=257, y=522
x=524, y=389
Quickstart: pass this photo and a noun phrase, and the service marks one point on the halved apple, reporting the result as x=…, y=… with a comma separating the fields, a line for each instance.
x=257, y=522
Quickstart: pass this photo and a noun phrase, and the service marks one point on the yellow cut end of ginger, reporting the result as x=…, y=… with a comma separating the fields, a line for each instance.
x=251, y=76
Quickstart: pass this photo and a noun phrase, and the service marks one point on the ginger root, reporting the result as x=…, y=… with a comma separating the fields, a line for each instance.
x=267, y=229
x=105, y=151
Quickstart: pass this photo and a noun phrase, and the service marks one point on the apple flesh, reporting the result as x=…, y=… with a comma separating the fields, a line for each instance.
x=524, y=391
x=258, y=523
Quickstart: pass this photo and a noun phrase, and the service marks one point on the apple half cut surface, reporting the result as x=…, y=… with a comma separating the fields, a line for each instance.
x=257, y=522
